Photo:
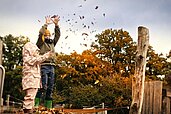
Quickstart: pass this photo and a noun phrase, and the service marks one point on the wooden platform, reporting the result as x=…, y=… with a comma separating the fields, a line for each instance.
x=42, y=110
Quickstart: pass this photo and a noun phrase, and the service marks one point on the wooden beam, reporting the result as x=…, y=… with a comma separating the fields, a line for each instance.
x=140, y=66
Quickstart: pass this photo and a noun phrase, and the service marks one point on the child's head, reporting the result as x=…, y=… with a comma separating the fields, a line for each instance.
x=47, y=34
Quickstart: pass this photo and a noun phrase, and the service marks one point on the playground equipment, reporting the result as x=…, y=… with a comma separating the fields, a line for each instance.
x=2, y=76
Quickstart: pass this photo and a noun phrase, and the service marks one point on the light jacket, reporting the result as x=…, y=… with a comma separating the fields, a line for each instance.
x=31, y=65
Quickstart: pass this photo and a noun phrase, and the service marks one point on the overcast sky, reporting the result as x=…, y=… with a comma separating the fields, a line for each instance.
x=25, y=17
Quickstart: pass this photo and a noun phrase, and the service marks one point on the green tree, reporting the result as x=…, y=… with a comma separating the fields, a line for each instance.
x=83, y=95
x=12, y=62
x=156, y=64
x=118, y=48
x=169, y=63
x=168, y=71
x=116, y=90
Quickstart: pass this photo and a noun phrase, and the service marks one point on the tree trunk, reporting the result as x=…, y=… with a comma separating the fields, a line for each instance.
x=139, y=76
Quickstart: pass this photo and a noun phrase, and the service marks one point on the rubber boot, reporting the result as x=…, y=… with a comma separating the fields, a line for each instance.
x=48, y=104
x=37, y=102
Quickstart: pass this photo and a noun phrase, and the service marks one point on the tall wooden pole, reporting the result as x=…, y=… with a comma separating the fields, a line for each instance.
x=139, y=76
x=0, y=52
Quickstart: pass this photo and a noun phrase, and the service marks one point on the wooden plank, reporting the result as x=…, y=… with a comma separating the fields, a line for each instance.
x=146, y=98
x=160, y=96
x=167, y=105
x=155, y=108
x=168, y=92
x=157, y=97
x=148, y=93
x=151, y=90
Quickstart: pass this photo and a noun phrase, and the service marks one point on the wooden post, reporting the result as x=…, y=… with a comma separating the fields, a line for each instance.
x=0, y=52
x=139, y=76
x=8, y=100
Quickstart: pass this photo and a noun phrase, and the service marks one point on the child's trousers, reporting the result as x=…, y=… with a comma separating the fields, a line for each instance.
x=28, y=102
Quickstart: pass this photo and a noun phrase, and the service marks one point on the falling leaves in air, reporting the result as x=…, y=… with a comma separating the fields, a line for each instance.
x=80, y=6
x=66, y=37
x=96, y=82
x=96, y=7
x=85, y=45
x=84, y=26
x=104, y=14
x=54, y=16
x=84, y=34
x=81, y=17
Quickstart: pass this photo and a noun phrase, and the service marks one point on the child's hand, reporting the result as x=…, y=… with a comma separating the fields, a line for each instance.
x=48, y=20
x=56, y=19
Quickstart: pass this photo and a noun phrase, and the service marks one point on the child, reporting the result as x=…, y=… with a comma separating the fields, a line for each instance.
x=45, y=43
x=31, y=73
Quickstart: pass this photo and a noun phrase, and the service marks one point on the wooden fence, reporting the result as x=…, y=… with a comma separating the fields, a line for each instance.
x=166, y=106
x=152, y=102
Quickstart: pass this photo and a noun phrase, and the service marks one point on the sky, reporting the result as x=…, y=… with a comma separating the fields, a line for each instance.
x=25, y=18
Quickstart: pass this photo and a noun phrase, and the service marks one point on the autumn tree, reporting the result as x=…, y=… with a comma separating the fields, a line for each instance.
x=112, y=55
x=85, y=80
x=77, y=70
x=83, y=68
x=118, y=48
